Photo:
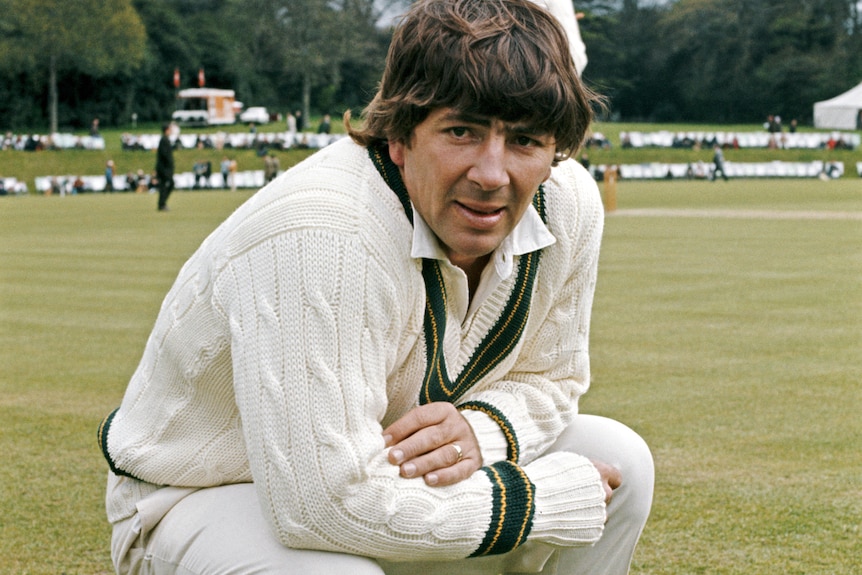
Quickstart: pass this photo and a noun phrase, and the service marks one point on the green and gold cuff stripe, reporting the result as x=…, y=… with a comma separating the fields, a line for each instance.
x=513, y=451
x=512, y=512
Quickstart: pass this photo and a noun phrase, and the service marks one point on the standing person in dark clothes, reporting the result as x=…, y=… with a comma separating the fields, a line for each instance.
x=718, y=160
x=165, y=168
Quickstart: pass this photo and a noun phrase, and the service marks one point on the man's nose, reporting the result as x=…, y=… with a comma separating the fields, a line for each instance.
x=489, y=170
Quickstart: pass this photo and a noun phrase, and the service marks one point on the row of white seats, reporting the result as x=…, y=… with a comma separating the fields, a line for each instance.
x=786, y=140
x=776, y=169
x=13, y=187
x=54, y=141
x=243, y=140
x=71, y=141
x=183, y=181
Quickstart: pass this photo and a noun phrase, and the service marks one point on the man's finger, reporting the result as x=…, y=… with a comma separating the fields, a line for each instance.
x=415, y=420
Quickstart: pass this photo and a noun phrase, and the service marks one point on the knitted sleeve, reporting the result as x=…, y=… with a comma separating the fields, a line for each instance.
x=537, y=397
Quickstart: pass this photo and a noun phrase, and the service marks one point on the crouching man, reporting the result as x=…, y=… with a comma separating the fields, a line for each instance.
x=373, y=366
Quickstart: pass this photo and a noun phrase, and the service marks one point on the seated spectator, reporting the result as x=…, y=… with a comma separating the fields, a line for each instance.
x=153, y=185
x=130, y=142
x=142, y=185
x=56, y=187
x=198, y=171
x=78, y=186
x=131, y=181
x=830, y=171
x=202, y=171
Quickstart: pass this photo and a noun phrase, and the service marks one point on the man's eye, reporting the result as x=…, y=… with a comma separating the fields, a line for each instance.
x=459, y=131
x=525, y=141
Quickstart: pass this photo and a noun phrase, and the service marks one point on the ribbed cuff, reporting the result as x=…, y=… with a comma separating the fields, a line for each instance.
x=570, y=500
x=513, y=506
x=488, y=433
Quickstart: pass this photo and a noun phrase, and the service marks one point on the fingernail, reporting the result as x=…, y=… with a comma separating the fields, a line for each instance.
x=397, y=455
x=387, y=439
x=408, y=469
x=432, y=479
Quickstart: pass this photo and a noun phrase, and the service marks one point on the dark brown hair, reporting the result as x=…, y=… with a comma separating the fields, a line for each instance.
x=505, y=59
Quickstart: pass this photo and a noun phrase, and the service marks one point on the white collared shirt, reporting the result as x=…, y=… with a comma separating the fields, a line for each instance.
x=529, y=235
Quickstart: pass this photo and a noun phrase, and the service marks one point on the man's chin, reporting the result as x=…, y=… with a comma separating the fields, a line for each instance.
x=468, y=254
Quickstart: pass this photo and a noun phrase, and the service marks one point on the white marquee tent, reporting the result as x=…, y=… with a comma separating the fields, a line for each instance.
x=843, y=112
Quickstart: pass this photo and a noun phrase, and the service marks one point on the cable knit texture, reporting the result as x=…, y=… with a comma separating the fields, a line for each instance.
x=294, y=335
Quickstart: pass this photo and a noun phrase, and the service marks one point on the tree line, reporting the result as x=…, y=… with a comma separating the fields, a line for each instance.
x=64, y=63
x=721, y=61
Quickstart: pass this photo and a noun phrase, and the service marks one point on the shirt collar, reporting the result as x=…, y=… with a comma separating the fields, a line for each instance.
x=530, y=234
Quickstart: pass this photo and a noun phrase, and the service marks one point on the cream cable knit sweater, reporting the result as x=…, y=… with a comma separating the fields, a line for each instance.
x=295, y=334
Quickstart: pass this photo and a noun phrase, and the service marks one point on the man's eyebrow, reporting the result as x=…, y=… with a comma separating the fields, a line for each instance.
x=467, y=118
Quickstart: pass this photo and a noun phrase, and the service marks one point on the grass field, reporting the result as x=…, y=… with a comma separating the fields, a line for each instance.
x=730, y=339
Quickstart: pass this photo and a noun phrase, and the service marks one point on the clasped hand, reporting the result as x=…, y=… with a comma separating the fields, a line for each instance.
x=422, y=444
x=435, y=442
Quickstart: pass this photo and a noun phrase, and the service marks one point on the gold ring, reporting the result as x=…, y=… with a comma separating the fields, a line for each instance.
x=458, y=451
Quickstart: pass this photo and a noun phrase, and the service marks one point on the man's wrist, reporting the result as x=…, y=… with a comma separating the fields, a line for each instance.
x=492, y=440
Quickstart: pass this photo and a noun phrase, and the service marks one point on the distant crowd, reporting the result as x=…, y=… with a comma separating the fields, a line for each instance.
x=141, y=182
x=260, y=141
x=739, y=140
x=203, y=176
x=704, y=171
x=288, y=140
x=39, y=142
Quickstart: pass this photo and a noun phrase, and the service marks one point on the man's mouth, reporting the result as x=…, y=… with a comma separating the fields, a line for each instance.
x=481, y=216
x=481, y=209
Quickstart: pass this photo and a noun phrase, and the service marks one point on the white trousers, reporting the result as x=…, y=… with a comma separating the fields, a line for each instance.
x=221, y=530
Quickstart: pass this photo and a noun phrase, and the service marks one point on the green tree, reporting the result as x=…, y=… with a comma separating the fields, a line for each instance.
x=706, y=57
x=624, y=62
x=47, y=37
x=721, y=60
x=304, y=42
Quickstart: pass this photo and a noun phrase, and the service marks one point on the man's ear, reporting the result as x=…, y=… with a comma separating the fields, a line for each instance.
x=396, y=152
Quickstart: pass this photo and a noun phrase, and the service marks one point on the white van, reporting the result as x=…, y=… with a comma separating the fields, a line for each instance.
x=205, y=107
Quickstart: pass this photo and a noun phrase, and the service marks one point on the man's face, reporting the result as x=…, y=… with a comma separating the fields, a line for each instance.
x=471, y=178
